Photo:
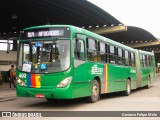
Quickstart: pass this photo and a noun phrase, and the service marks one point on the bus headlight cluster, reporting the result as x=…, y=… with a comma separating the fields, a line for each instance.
x=64, y=82
x=20, y=82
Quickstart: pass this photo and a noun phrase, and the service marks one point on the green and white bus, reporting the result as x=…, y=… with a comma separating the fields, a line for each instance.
x=67, y=62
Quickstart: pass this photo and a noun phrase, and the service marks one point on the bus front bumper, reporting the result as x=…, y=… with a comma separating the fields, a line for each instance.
x=56, y=93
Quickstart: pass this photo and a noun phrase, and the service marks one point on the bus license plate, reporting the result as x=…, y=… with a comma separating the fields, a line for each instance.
x=39, y=95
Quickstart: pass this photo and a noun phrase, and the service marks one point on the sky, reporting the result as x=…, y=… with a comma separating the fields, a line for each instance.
x=144, y=14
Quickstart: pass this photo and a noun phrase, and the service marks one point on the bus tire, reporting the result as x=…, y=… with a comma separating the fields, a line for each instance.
x=95, y=95
x=128, y=88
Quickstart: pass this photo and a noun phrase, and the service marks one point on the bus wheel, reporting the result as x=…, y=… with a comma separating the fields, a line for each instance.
x=128, y=88
x=95, y=92
x=149, y=83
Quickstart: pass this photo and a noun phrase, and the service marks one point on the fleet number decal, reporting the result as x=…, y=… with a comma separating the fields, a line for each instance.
x=22, y=75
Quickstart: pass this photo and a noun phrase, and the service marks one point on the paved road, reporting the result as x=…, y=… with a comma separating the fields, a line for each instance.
x=140, y=100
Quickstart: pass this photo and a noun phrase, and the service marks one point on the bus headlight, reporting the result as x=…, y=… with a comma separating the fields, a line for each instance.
x=64, y=82
x=20, y=82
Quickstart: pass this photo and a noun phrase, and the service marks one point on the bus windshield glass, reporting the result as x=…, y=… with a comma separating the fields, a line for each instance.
x=44, y=56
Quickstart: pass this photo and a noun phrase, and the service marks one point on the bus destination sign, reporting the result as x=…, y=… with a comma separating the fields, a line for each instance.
x=45, y=32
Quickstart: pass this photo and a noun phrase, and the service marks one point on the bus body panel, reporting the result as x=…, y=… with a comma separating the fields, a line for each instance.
x=56, y=93
x=116, y=81
x=145, y=76
x=82, y=83
x=118, y=76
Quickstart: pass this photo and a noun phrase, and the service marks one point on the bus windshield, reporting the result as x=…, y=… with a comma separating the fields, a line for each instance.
x=44, y=56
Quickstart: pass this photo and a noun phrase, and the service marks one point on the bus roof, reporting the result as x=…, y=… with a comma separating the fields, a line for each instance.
x=146, y=52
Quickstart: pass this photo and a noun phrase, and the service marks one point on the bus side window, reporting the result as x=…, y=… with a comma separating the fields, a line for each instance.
x=92, y=50
x=112, y=54
x=119, y=56
x=152, y=63
x=129, y=57
x=132, y=60
x=79, y=49
x=102, y=55
x=126, y=54
x=144, y=62
x=141, y=59
x=150, y=60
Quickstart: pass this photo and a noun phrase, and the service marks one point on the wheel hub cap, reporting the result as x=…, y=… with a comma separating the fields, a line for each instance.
x=95, y=91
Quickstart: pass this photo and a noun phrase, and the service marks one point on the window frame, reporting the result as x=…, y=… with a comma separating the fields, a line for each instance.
x=120, y=57
x=126, y=58
x=114, y=55
x=104, y=54
x=75, y=40
x=92, y=51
